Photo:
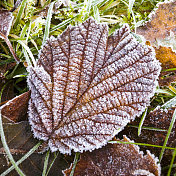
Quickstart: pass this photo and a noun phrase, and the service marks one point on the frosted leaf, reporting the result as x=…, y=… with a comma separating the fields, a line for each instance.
x=5, y=22
x=116, y=159
x=87, y=86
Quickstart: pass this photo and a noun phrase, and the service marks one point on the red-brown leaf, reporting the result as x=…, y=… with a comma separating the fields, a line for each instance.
x=159, y=119
x=16, y=109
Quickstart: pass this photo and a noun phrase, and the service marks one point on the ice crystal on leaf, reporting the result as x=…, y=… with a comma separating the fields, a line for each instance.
x=87, y=86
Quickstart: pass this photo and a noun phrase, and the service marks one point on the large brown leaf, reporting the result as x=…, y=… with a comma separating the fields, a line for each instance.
x=87, y=86
x=116, y=159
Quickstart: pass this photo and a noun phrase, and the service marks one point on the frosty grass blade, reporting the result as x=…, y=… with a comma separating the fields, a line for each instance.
x=87, y=86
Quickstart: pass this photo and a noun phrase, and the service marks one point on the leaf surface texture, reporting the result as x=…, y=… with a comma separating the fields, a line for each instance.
x=87, y=86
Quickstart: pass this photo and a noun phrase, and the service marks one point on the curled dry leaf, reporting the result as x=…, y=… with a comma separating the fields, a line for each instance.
x=16, y=109
x=87, y=86
x=159, y=119
x=162, y=22
x=5, y=23
x=116, y=159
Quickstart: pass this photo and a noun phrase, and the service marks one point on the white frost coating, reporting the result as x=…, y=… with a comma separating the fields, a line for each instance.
x=156, y=161
x=143, y=172
x=87, y=86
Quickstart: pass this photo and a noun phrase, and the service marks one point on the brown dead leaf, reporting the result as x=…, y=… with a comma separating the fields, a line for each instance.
x=157, y=119
x=16, y=109
x=20, y=140
x=116, y=159
x=162, y=22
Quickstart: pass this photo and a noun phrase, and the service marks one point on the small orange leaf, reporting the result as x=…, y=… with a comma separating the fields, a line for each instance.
x=168, y=59
x=166, y=56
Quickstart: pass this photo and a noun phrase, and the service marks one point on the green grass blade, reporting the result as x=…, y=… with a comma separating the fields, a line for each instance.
x=31, y=151
x=89, y=5
x=64, y=23
x=56, y=154
x=162, y=91
x=142, y=121
x=170, y=103
x=74, y=163
x=46, y=163
x=96, y=14
x=27, y=58
x=20, y=13
x=7, y=150
x=130, y=6
x=48, y=21
x=29, y=52
x=172, y=162
x=148, y=128
x=142, y=144
x=23, y=32
x=167, y=136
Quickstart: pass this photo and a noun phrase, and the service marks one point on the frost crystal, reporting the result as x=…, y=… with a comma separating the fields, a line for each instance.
x=87, y=86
